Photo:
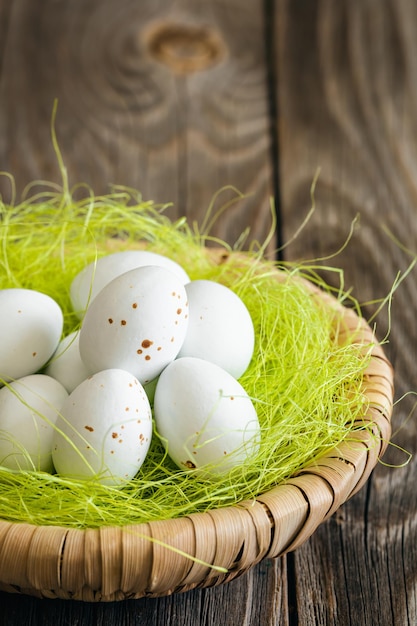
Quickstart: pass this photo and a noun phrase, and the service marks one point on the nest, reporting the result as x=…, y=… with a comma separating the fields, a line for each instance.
x=201, y=549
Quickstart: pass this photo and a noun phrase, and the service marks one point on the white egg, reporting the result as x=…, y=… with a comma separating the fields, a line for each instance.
x=204, y=416
x=66, y=364
x=30, y=329
x=104, y=430
x=91, y=280
x=136, y=323
x=28, y=410
x=220, y=327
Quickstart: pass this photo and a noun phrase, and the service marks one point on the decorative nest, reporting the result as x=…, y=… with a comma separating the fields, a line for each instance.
x=116, y=563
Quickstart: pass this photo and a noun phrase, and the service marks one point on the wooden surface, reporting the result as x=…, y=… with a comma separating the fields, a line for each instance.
x=180, y=99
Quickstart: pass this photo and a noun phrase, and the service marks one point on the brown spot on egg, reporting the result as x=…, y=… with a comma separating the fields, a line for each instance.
x=147, y=357
x=111, y=451
x=34, y=353
x=115, y=435
x=135, y=305
x=173, y=293
x=123, y=322
x=126, y=409
x=139, y=351
x=120, y=440
x=189, y=464
x=179, y=311
x=224, y=452
x=89, y=428
x=110, y=320
x=159, y=348
x=232, y=397
x=146, y=343
x=172, y=339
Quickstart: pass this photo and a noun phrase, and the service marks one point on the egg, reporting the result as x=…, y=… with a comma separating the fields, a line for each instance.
x=66, y=364
x=220, y=327
x=96, y=275
x=28, y=410
x=137, y=323
x=104, y=430
x=30, y=329
x=204, y=416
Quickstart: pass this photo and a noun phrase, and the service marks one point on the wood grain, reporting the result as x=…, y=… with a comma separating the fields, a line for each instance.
x=168, y=98
x=347, y=101
x=135, y=112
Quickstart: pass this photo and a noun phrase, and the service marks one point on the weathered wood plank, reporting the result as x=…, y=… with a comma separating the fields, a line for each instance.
x=161, y=112
x=168, y=98
x=347, y=101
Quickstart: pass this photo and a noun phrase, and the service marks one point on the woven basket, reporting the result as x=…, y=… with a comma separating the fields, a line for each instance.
x=109, y=564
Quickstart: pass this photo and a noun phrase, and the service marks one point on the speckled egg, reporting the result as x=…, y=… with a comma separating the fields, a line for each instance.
x=66, y=364
x=220, y=327
x=137, y=323
x=105, y=429
x=28, y=410
x=205, y=418
x=96, y=275
x=30, y=329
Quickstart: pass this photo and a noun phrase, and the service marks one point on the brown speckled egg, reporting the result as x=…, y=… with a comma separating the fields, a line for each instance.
x=104, y=430
x=96, y=275
x=30, y=329
x=137, y=323
x=205, y=418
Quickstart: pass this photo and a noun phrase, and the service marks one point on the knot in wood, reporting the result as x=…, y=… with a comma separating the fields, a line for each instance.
x=185, y=48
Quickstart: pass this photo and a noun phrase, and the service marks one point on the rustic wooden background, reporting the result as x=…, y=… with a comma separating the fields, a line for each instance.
x=182, y=98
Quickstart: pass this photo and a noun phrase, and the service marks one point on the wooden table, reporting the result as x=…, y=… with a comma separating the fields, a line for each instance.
x=180, y=99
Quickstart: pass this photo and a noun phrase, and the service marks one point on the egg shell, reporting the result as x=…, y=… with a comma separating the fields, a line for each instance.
x=28, y=409
x=204, y=416
x=30, y=329
x=220, y=327
x=105, y=429
x=97, y=274
x=66, y=364
x=136, y=323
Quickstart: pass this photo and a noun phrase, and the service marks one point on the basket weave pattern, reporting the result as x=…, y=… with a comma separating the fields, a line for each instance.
x=114, y=563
